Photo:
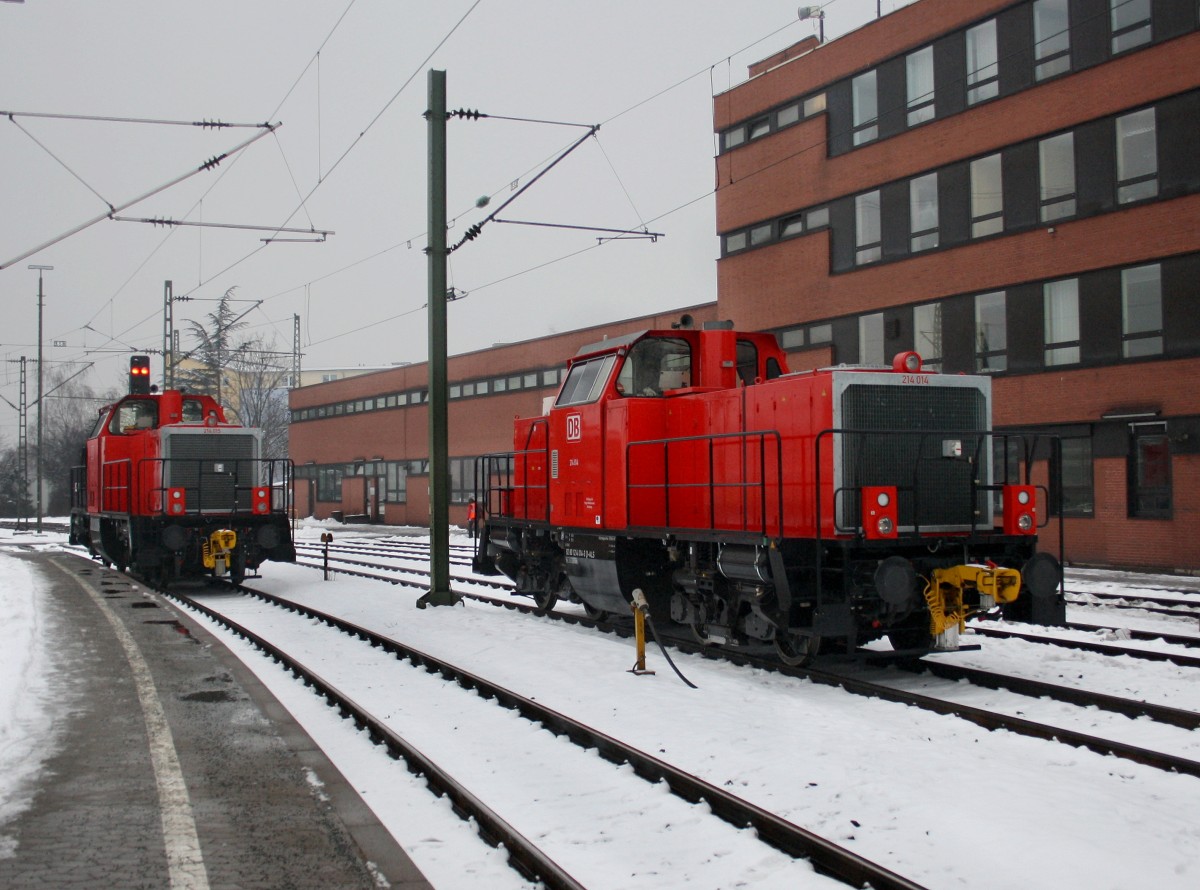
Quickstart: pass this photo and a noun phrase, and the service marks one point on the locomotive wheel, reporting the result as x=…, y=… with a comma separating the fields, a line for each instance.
x=796, y=650
x=910, y=637
x=237, y=566
x=593, y=613
x=545, y=600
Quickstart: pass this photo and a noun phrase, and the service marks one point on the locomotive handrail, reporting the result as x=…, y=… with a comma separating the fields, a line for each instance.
x=976, y=486
x=498, y=498
x=711, y=485
x=194, y=494
x=1053, y=497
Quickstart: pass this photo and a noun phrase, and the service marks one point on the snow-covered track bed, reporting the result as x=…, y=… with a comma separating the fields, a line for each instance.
x=1004, y=708
x=1087, y=638
x=526, y=819
x=397, y=569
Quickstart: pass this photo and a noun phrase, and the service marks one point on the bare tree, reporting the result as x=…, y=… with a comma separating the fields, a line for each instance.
x=14, y=496
x=70, y=415
x=262, y=399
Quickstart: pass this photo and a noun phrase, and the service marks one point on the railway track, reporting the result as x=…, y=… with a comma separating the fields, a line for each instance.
x=892, y=691
x=526, y=854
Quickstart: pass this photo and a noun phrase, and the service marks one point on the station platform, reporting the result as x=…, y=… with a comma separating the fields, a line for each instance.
x=175, y=768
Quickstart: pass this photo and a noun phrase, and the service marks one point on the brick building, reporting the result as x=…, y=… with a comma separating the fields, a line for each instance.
x=1010, y=188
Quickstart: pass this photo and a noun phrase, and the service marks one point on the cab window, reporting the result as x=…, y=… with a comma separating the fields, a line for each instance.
x=747, y=362
x=193, y=411
x=654, y=366
x=585, y=381
x=134, y=416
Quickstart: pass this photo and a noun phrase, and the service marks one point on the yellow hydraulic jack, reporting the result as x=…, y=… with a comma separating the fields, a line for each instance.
x=944, y=596
x=640, y=609
x=217, y=551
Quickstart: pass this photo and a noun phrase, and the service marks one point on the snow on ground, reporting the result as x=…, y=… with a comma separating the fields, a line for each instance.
x=934, y=798
x=30, y=712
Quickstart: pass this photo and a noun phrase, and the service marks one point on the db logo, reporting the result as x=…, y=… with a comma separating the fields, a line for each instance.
x=574, y=427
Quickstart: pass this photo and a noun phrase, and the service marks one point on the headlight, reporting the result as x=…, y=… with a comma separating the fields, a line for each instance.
x=883, y=499
x=1025, y=522
x=884, y=525
x=1022, y=497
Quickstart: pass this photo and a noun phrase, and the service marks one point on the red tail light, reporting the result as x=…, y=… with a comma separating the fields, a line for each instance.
x=880, y=518
x=1020, y=510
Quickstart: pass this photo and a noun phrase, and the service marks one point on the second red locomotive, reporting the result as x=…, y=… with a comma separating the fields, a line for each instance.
x=755, y=506
x=170, y=489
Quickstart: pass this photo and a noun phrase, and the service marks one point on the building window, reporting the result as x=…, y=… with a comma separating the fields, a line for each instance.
x=1051, y=38
x=1141, y=311
x=820, y=333
x=868, y=241
x=919, y=71
x=734, y=137
x=462, y=479
x=1060, y=300
x=817, y=218
x=987, y=197
x=870, y=339
x=1137, y=156
x=927, y=334
x=787, y=115
x=923, y=212
x=1130, y=24
x=1056, y=172
x=1150, y=472
x=793, y=225
x=329, y=483
x=792, y=339
x=1078, y=496
x=760, y=127
x=991, y=333
x=814, y=104
x=866, y=108
x=735, y=242
x=760, y=234
x=983, y=66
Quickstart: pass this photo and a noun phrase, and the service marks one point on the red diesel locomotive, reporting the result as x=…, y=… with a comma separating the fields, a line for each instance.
x=760, y=507
x=170, y=489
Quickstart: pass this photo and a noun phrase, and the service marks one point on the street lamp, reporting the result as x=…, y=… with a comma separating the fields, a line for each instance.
x=41, y=411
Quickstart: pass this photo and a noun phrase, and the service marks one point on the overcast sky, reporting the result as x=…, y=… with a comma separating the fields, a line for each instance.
x=348, y=81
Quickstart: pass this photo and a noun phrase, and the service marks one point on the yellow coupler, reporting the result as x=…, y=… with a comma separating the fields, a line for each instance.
x=218, y=550
x=944, y=596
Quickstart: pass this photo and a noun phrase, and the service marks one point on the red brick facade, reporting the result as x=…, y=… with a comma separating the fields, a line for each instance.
x=777, y=164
